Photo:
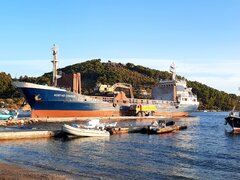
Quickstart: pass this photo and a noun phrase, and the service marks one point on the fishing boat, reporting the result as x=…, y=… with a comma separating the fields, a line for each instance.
x=233, y=119
x=64, y=98
x=91, y=130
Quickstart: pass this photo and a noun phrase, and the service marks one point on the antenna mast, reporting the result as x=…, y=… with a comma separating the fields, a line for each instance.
x=55, y=65
x=173, y=71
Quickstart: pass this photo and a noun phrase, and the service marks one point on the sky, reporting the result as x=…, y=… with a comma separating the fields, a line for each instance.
x=202, y=37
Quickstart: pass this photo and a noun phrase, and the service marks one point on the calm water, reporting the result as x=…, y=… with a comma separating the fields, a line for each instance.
x=203, y=151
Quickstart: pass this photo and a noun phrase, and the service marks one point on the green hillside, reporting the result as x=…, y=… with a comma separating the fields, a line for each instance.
x=141, y=78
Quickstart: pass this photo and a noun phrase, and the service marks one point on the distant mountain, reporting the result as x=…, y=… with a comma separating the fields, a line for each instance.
x=94, y=72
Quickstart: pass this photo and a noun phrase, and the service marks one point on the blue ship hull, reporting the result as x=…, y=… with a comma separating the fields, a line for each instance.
x=47, y=101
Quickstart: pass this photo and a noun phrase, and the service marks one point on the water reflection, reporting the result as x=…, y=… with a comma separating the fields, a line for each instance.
x=202, y=151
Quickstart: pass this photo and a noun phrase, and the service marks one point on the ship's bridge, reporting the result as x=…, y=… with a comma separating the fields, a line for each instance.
x=165, y=90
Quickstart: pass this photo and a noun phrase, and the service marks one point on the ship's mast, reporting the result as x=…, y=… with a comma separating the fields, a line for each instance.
x=55, y=65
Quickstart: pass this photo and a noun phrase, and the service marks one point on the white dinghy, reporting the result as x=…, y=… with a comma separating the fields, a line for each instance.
x=92, y=129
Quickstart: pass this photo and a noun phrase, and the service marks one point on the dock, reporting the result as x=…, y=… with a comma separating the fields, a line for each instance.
x=31, y=134
x=22, y=121
x=146, y=130
x=10, y=135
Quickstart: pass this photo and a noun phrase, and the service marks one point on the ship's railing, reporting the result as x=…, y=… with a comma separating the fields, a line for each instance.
x=101, y=98
x=150, y=101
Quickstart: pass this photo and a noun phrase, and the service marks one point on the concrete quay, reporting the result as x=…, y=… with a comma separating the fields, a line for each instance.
x=22, y=121
x=13, y=135
x=31, y=134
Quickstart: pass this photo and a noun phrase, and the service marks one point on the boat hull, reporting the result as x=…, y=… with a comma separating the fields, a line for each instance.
x=234, y=122
x=51, y=102
x=172, y=111
x=82, y=132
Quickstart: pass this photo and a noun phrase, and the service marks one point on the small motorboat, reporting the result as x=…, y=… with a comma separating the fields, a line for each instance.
x=83, y=131
x=162, y=126
x=233, y=119
x=92, y=128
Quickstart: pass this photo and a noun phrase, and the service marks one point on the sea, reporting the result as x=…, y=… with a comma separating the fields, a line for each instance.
x=205, y=150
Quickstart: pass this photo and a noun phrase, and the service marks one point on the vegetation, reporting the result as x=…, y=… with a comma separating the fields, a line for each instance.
x=94, y=72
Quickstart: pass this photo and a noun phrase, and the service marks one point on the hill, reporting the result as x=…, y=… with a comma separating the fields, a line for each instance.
x=142, y=78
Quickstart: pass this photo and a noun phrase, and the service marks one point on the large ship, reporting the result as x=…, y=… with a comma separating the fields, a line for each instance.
x=64, y=98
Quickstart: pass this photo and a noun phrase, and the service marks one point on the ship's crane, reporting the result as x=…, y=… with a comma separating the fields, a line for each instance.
x=111, y=89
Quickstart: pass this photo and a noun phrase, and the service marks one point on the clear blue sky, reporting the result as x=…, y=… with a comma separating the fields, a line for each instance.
x=202, y=37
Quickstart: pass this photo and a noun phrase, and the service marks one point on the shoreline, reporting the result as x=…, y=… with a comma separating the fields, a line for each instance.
x=13, y=171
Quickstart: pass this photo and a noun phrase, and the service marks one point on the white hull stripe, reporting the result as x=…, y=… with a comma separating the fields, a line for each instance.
x=35, y=86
